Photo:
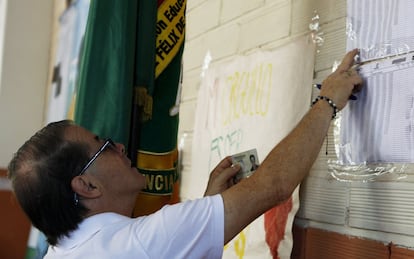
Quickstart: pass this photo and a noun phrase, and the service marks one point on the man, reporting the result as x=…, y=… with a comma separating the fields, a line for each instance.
x=253, y=163
x=79, y=190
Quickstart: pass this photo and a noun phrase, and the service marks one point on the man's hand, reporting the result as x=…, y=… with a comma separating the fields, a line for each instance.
x=221, y=178
x=343, y=82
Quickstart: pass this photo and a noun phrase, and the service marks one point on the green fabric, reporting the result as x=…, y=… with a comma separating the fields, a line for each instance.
x=144, y=74
x=119, y=55
x=104, y=95
x=160, y=133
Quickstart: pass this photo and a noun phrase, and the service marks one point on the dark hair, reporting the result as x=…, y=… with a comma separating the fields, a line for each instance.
x=41, y=172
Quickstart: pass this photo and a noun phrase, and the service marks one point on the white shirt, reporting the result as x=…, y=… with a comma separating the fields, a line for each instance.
x=192, y=229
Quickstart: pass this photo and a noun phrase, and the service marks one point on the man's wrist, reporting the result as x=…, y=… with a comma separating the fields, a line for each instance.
x=329, y=101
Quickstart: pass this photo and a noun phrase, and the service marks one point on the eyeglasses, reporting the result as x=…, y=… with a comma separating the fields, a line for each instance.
x=108, y=143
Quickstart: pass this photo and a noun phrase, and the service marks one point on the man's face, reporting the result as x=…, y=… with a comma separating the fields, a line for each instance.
x=252, y=159
x=112, y=167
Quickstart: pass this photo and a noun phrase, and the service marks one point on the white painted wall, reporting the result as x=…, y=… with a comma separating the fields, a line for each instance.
x=24, y=71
x=227, y=28
x=3, y=8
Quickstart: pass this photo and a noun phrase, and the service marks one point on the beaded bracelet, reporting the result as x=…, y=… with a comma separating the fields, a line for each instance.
x=331, y=103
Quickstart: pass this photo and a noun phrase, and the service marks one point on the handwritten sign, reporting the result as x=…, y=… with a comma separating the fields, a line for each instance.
x=251, y=102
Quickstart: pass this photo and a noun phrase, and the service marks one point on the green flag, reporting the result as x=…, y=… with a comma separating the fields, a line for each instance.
x=104, y=96
x=128, y=86
x=155, y=120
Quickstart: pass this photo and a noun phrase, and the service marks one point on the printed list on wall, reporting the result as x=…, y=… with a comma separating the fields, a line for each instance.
x=378, y=127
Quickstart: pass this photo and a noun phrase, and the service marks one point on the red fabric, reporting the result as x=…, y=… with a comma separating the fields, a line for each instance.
x=275, y=224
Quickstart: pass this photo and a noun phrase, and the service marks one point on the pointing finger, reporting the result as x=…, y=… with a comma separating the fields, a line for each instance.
x=348, y=60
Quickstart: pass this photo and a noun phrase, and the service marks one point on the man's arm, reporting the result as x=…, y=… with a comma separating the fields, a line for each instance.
x=290, y=161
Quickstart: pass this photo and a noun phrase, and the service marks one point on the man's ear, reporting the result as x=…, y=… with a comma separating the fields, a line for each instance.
x=84, y=186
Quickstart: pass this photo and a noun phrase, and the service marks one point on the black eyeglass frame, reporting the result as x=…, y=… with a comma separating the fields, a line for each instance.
x=108, y=142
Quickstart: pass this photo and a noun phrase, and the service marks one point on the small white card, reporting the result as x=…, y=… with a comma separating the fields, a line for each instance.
x=248, y=161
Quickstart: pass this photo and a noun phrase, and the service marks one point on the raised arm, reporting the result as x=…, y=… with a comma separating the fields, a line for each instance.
x=290, y=161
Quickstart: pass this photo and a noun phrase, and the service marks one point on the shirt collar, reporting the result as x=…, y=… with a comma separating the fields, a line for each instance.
x=87, y=228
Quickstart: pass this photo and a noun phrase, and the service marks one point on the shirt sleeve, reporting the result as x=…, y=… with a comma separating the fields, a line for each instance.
x=191, y=229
